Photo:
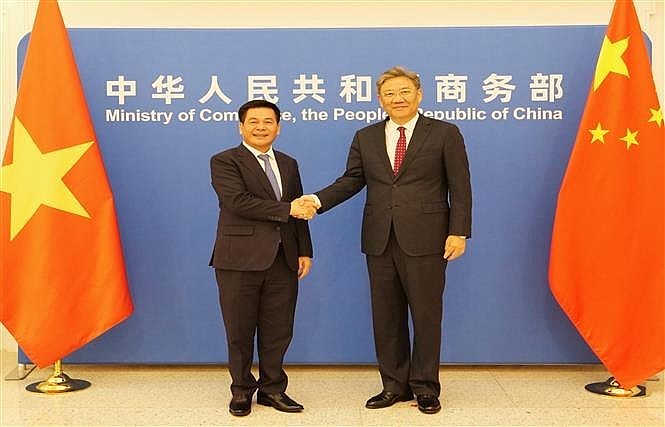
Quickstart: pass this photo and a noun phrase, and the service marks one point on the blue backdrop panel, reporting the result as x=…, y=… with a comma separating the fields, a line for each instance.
x=498, y=307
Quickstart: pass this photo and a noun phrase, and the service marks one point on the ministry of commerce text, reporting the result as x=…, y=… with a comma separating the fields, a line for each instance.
x=206, y=115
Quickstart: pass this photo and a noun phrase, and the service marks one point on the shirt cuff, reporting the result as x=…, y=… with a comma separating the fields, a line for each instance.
x=315, y=198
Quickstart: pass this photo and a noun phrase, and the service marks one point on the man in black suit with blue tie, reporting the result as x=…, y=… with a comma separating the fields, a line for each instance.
x=263, y=247
x=417, y=217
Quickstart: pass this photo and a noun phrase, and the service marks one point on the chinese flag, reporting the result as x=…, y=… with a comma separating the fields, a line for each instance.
x=607, y=259
x=63, y=274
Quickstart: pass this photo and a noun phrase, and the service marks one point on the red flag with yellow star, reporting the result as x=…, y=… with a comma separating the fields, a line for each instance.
x=607, y=257
x=63, y=273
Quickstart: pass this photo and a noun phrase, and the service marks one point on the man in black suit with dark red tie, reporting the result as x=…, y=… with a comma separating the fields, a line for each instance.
x=262, y=248
x=417, y=217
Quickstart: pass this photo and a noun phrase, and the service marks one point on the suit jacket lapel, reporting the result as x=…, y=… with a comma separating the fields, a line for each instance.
x=380, y=137
x=284, y=172
x=420, y=132
x=252, y=163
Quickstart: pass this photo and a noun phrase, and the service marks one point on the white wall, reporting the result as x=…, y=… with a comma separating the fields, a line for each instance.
x=17, y=17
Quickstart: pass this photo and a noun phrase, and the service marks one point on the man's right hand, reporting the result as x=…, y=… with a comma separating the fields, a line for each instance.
x=312, y=198
x=303, y=208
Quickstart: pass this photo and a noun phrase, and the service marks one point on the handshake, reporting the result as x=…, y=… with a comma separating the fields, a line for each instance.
x=304, y=207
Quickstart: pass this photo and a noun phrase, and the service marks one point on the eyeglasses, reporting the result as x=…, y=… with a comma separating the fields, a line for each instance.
x=404, y=93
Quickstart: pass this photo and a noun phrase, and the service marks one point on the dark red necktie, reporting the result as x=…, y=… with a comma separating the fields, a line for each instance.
x=400, y=149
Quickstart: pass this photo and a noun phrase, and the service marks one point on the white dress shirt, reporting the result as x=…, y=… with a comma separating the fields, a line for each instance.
x=392, y=135
x=271, y=158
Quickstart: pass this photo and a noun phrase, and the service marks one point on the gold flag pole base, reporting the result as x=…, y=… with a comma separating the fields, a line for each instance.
x=58, y=382
x=612, y=388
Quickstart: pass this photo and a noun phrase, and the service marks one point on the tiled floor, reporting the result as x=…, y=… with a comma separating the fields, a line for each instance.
x=332, y=395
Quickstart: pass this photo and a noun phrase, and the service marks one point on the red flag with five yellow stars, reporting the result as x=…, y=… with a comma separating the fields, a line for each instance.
x=607, y=261
x=63, y=273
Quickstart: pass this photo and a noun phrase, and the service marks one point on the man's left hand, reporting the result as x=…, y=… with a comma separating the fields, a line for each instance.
x=304, y=265
x=455, y=246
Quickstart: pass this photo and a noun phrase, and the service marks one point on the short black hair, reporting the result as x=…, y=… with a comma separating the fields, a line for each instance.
x=257, y=103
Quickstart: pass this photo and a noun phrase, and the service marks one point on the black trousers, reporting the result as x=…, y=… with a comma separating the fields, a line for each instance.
x=261, y=303
x=400, y=282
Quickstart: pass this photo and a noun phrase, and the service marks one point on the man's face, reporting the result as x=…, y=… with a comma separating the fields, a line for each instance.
x=260, y=128
x=400, y=99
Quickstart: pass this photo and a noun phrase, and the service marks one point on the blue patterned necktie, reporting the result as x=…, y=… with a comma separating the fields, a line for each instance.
x=271, y=175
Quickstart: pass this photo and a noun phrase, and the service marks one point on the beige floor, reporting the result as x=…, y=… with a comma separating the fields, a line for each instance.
x=332, y=395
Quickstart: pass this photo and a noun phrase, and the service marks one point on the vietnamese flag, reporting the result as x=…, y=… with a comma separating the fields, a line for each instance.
x=63, y=274
x=607, y=263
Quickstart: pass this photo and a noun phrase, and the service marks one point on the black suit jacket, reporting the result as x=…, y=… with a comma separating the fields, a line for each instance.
x=252, y=223
x=429, y=199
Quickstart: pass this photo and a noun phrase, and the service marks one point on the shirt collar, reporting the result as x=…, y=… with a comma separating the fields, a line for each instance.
x=257, y=153
x=410, y=125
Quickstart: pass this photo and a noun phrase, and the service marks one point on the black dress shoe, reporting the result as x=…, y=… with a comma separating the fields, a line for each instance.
x=387, y=398
x=240, y=405
x=428, y=403
x=279, y=401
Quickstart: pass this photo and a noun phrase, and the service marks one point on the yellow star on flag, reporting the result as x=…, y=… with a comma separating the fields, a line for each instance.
x=630, y=138
x=656, y=116
x=35, y=178
x=610, y=60
x=598, y=133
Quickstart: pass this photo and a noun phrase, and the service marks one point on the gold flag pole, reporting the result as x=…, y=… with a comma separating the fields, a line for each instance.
x=58, y=382
x=611, y=387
